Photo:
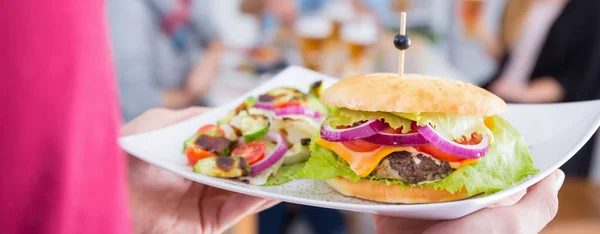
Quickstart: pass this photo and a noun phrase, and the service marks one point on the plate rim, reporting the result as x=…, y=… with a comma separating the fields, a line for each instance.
x=369, y=208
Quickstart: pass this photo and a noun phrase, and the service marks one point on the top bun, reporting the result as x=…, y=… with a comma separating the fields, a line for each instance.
x=411, y=93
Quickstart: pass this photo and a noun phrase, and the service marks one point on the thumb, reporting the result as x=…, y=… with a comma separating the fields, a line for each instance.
x=158, y=118
x=536, y=209
x=541, y=202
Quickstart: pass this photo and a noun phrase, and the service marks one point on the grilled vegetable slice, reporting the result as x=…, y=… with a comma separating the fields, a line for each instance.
x=247, y=104
x=189, y=142
x=208, y=141
x=218, y=145
x=209, y=138
x=296, y=128
x=194, y=154
x=298, y=153
x=316, y=89
x=252, y=126
x=223, y=166
x=231, y=132
x=282, y=95
x=315, y=104
x=211, y=130
x=214, y=146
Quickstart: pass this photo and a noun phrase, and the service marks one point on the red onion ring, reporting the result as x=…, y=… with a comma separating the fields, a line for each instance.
x=268, y=161
x=451, y=147
x=363, y=130
x=264, y=105
x=297, y=110
x=397, y=139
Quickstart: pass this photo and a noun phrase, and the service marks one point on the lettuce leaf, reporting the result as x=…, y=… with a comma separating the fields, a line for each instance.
x=452, y=127
x=285, y=174
x=343, y=116
x=507, y=162
x=324, y=164
x=410, y=116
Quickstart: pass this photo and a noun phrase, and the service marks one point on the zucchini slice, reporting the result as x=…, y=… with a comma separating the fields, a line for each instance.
x=315, y=104
x=253, y=127
x=223, y=166
x=316, y=89
x=242, y=108
x=282, y=95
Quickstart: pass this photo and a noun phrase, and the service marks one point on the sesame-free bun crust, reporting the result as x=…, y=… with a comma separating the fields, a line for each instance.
x=375, y=191
x=411, y=93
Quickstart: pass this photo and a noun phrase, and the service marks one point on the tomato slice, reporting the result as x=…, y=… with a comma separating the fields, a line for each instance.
x=360, y=145
x=476, y=138
x=252, y=152
x=441, y=155
x=438, y=153
x=194, y=154
x=287, y=104
x=392, y=131
x=210, y=129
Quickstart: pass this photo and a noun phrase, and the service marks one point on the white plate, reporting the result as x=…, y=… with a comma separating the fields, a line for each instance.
x=554, y=133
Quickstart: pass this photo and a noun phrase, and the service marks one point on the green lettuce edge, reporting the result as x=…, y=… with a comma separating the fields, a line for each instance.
x=507, y=162
x=285, y=174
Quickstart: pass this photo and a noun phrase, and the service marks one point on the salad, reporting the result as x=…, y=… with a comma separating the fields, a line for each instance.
x=264, y=141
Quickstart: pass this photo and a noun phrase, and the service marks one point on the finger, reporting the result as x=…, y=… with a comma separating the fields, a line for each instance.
x=140, y=123
x=267, y=205
x=176, y=116
x=214, y=191
x=529, y=215
x=509, y=201
x=392, y=225
x=540, y=205
x=237, y=207
x=191, y=112
x=158, y=118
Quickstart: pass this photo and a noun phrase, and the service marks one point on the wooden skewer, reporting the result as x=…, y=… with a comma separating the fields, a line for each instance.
x=402, y=32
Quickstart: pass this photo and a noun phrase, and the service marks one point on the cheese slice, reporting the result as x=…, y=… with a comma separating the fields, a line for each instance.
x=363, y=163
x=457, y=165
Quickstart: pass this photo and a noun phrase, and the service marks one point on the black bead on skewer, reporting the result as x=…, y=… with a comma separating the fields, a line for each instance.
x=402, y=42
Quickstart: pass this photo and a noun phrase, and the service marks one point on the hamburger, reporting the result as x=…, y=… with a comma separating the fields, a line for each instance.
x=415, y=139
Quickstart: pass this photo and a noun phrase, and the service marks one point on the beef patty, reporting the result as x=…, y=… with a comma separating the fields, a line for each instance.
x=410, y=168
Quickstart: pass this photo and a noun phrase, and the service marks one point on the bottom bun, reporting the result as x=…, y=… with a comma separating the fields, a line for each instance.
x=376, y=191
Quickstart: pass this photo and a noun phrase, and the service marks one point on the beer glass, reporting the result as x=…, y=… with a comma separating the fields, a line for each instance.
x=471, y=12
x=339, y=12
x=359, y=36
x=312, y=33
x=400, y=5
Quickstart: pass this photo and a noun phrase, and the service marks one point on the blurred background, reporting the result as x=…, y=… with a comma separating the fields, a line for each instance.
x=178, y=53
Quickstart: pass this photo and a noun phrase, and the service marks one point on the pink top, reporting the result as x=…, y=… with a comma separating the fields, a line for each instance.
x=62, y=170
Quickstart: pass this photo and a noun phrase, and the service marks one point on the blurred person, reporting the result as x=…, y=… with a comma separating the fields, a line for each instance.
x=549, y=51
x=65, y=171
x=166, y=53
